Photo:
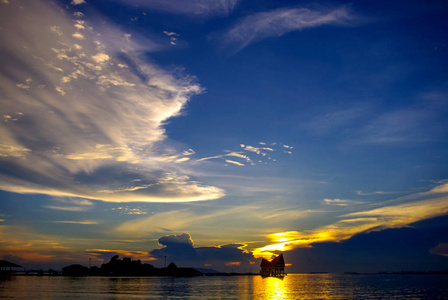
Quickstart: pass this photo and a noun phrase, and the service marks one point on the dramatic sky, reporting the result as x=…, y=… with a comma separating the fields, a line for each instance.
x=217, y=132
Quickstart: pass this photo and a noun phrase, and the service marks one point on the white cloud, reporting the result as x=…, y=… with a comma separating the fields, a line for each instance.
x=246, y=153
x=173, y=37
x=188, y=152
x=79, y=26
x=131, y=211
x=168, y=33
x=78, y=36
x=182, y=159
x=77, y=2
x=86, y=222
x=66, y=208
x=234, y=162
x=96, y=122
x=442, y=188
x=340, y=202
x=201, y=8
x=210, y=157
x=13, y=151
x=361, y=193
x=277, y=22
x=406, y=213
x=231, y=153
x=239, y=155
x=23, y=86
x=56, y=30
x=70, y=204
x=257, y=150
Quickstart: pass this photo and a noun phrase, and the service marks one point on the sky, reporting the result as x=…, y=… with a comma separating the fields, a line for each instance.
x=215, y=133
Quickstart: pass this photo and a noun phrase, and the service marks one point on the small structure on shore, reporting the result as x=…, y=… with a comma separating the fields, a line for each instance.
x=275, y=267
x=6, y=266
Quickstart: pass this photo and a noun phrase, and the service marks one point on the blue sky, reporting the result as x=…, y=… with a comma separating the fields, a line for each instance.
x=229, y=130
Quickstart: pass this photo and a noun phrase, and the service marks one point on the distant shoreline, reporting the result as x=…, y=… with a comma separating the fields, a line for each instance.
x=45, y=274
x=126, y=276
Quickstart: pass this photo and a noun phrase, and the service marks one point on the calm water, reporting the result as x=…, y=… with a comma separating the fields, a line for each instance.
x=293, y=286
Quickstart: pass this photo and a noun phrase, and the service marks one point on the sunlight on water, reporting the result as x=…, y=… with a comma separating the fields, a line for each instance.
x=275, y=288
x=292, y=286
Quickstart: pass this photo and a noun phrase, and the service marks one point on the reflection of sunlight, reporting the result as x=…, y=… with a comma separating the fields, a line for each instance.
x=275, y=288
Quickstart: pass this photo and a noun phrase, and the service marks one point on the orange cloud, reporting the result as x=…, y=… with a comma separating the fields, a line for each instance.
x=142, y=255
x=392, y=216
x=233, y=263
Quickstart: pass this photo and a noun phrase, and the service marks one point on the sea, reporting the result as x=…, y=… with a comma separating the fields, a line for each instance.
x=292, y=286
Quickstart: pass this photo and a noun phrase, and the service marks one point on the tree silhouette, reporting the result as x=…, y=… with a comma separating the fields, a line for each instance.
x=172, y=266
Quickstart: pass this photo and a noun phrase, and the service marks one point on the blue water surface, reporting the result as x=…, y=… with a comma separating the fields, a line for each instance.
x=293, y=286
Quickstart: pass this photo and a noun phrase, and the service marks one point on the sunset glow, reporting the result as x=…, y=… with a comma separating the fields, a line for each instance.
x=217, y=133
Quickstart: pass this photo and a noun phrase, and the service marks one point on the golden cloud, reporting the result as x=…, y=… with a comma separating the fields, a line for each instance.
x=391, y=216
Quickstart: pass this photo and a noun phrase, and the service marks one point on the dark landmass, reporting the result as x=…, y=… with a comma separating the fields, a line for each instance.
x=129, y=267
x=207, y=271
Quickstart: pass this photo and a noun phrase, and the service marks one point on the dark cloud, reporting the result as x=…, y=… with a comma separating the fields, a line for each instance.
x=180, y=249
x=225, y=254
x=176, y=240
x=390, y=250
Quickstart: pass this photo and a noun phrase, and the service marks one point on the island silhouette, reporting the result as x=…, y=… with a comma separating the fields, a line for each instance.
x=128, y=267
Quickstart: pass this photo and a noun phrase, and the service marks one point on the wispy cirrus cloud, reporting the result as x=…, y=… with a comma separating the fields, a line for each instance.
x=234, y=162
x=66, y=208
x=366, y=124
x=85, y=222
x=341, y=202
x=258, y=150
x=173, y=37
x=199, y=8
x=410, y=125
x=78, y=2
x=70, y=204
x=84, y=111
x=126, y=210
x=361, y=193
x=334, y=119
x=278, y=22
x=245, y=156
